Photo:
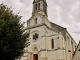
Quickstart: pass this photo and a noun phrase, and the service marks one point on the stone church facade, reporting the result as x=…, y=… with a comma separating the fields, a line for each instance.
x=48, y=41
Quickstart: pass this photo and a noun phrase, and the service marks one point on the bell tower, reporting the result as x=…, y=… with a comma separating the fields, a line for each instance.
x=39, y=14
x=39, y=6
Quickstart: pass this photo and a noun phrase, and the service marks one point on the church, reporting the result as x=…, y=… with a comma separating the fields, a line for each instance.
x=48, y=41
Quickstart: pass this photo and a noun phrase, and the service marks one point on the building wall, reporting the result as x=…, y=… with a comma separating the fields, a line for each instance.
x=77, y=53
x=44, y=43
x=63, y=47
x=70, y=46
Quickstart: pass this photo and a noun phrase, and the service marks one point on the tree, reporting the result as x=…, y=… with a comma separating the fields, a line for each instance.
x=13, y=37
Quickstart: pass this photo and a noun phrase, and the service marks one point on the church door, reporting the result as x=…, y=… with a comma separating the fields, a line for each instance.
x=35, y=57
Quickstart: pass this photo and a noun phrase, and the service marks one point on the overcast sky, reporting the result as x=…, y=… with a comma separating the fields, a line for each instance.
x=65, y=13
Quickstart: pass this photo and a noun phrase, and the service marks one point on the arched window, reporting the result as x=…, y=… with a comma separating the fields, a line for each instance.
x=52, y=43
x=38, y=6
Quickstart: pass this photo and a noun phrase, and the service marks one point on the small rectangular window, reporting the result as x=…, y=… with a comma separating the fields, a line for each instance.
x=52, y=43
x=36, y=21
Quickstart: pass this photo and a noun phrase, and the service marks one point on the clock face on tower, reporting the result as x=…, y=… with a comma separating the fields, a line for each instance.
x=35, y=36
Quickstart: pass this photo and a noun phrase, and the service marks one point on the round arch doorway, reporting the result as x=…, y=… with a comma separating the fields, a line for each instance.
x=35, y=53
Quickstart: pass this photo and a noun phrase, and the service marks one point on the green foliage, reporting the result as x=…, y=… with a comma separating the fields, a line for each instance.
x=13, y=37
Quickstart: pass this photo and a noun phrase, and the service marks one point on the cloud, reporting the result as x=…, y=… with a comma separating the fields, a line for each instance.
x=65, y=13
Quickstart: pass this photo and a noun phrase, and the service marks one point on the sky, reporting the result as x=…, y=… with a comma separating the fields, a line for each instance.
x=65, y=13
